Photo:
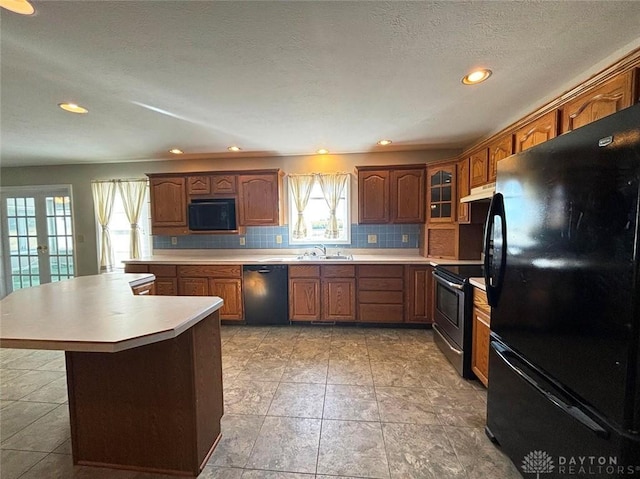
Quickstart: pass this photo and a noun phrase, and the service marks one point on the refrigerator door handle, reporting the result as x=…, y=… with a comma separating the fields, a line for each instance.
x=572, y=411
x=493, y=280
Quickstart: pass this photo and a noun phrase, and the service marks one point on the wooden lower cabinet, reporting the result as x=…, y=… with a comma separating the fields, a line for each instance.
x=380, y=293
x=338, y=299
x=144, y=289
x=418, y=294
x=480, y=336
x=230, y=290
x=166, y=286
x=304, y=299
x=322, y=293
x=193, y=287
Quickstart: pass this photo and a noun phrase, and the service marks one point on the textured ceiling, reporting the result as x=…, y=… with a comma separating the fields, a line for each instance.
x=284, y=78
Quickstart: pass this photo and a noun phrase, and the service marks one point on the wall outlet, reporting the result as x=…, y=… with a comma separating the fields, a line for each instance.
x=405, y=238
x=243, y=241
x=174, y=240
x=278, y=239
x=372, y=238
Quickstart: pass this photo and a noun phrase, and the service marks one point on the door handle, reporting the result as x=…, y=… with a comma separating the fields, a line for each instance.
x=494, y=289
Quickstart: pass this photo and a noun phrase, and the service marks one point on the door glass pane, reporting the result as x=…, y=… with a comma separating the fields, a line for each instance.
x=446, y=193
x=435, y=195
x=26, y=246
x=436, y=179
x=446, y=210
x=435, y=211
x=59, y=231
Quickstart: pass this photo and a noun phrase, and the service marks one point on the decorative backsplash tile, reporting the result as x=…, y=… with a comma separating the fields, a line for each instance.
x=264, y=237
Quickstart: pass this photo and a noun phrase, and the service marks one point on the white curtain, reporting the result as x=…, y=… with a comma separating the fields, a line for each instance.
x=332, y=185
x=133, y=193
x=103, y=196
x=301, y=186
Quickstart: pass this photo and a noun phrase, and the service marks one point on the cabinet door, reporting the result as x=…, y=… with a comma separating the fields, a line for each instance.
x=480, y=345
x=223, y=184
x=144, y=289
x=407, y=196
x=304, y=299
x=168, y=202
x=198, y=185
x=166, y=286
x=258, y=200
x=441, y=193
x=499, y=150
x=479, y=168
x=230, y=290
x=605, y=100
x=339, y=299
x=417, y=302
x=373, y=197
x=193, y=287
x=538, y=131
x=462, y=177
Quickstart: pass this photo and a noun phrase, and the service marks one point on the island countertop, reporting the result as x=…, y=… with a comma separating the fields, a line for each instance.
x=96, y=313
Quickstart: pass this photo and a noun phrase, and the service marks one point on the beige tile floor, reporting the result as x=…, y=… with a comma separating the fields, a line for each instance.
x=300, y=403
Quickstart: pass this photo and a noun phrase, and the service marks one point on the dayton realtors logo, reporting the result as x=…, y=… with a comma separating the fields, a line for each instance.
x=537, y=462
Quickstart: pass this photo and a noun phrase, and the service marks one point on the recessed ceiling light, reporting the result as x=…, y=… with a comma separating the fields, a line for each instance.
x=476, y=76
x=234, y=148
x=176, y=151
x=322, y=151
x=384, y=142
x=73, y=108
x=23, y=7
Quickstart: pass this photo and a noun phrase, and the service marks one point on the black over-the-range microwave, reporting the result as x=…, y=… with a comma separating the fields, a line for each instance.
x=212, y=214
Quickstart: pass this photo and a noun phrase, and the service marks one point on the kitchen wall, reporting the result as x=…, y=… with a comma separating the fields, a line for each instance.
x=80, y=176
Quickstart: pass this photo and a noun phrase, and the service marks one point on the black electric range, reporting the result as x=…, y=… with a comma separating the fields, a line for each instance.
x=452, y=313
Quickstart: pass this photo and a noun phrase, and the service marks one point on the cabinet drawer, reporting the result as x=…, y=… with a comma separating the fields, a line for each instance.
x=223, y=184
x=480, y=300
x=136, y=268
x=307, y=271
x=381, y=313
x=166, y=286
x=380, y=271
x=166, y=270
x=338, y=271
x=380, y=297
x=205, y=271
x=380, y=284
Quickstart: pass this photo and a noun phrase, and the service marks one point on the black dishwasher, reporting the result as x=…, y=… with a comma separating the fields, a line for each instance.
x=266, y=293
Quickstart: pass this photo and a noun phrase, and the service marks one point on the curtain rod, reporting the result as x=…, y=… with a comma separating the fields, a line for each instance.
x=119, y=180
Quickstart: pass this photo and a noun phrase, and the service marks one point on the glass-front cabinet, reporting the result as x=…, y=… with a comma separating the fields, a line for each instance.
x=441, y=194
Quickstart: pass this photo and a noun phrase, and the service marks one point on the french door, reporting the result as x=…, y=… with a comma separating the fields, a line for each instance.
x=37, y=235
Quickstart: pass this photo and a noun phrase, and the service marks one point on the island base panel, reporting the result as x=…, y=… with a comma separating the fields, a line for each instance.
x=154, y=408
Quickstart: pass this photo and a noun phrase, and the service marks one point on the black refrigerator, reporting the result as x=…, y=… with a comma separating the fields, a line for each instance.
x=561, y=267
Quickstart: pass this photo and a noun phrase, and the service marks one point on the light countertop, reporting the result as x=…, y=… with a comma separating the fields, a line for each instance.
x=213, y=257
x=96, y=313
x=478, y=283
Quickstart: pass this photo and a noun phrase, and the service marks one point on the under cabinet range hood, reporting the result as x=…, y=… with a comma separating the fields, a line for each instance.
x=484, y=192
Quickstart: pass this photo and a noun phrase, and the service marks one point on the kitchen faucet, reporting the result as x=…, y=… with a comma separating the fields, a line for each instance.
x=322, y=248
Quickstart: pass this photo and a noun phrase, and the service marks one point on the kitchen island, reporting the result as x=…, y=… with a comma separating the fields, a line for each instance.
x=144, y=373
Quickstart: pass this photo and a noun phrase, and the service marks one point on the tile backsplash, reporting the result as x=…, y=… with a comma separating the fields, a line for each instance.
x=265, y=237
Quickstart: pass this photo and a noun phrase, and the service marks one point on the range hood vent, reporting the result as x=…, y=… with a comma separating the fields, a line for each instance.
x=484, y=192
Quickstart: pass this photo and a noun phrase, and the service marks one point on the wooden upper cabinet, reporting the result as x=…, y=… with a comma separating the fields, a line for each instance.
x=441, y=193
x=462, y=177
x=407, y=195
x=479, y=167
x=373, y=196
x=602, y=101
x=223, y=184
x=538, y=131
x=168, y=202
x=499, y=150
x=258, y=200
x=198, y=185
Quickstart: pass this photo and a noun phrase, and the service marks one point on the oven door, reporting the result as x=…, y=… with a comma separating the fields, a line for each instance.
x=449, y=310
